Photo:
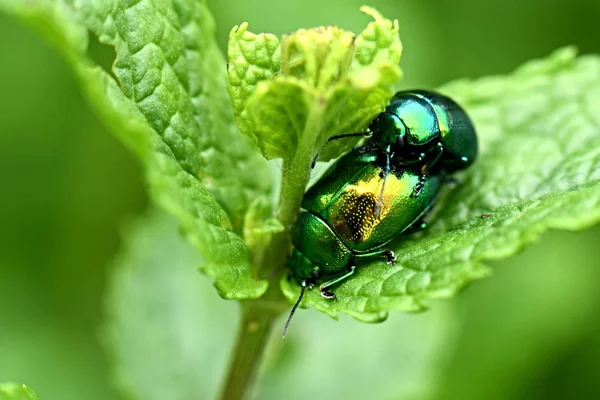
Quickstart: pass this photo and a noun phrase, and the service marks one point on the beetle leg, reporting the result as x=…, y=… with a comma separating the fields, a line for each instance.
x=440, y=149
x=425, y=170
x=388, y=254
x=418, y=187
x=326, y=294
x=323, y=288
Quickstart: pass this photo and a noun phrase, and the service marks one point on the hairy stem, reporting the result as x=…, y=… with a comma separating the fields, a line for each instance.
x=258, y=316
x=253, y=334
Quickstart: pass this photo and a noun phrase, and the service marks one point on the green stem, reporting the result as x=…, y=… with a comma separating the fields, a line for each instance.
x=296, y=173
x=253, y=333
x=258, y=316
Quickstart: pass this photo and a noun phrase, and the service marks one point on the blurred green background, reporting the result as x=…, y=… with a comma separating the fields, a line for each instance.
x=68, y=188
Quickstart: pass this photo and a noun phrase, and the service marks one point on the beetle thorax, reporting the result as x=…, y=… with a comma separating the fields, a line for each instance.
x=388, y=131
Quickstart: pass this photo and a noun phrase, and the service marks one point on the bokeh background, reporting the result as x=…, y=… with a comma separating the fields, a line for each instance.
x=68, y=188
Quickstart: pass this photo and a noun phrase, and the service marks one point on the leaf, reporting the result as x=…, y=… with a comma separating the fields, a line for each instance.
x=164, y=329
x=252, y=58
x=169, y=107
x=168, y=65
x=259, y=229
x=538, y=169
x=14, y=391
x=327, y=82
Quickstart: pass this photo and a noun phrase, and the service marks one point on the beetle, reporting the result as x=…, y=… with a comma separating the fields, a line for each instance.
x=422, y=126
x=339, y=227
x=379, y=190
x=425, y=128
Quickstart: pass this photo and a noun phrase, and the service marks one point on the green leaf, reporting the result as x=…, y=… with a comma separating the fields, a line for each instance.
x=168, y=105
x=15, y=391
x=164, y=329
x=538, y=169
x=259, y=229
x=252, y=58
x=169, y=66
x=327, y=82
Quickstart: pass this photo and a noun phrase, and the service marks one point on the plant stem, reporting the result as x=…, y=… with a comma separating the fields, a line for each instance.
x=258, y=316
x=296, y=173
x=253, y=333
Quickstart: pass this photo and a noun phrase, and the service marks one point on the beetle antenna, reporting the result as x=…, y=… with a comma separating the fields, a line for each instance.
x=287, y=323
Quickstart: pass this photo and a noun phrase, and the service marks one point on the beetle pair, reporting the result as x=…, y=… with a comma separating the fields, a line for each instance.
x=380, y=190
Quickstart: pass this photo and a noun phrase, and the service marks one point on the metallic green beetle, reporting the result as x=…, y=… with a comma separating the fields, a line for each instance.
x=339, y=227
x=425, y=128
x=380, y=190
x=421, y=126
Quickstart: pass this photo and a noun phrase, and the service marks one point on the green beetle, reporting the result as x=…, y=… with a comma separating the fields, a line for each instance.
x=424, y=128
x=380, y=190
x=420, y=126
x=340, y=227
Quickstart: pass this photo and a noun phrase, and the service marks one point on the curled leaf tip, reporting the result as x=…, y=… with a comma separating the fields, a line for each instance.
x=370, y=11
x=380, y=19
x=239, y=30
x=566, y=55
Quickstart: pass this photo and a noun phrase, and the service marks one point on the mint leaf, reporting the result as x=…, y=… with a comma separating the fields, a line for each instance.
x=322, y=89
x=169, y=66
x=169, y=107
x=15, y=391
x=252, y=58
x=538, y=169
x=259, y=229
x=164, y=329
